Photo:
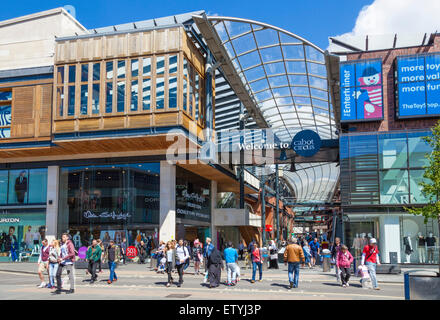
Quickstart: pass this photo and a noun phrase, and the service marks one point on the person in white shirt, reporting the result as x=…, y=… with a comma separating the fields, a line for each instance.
x=182, y=255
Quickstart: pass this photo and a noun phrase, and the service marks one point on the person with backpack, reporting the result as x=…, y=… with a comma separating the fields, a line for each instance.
x=93, y=256
x=182, y=256
x=370, y=258
x=66, y=261
x=257, y=262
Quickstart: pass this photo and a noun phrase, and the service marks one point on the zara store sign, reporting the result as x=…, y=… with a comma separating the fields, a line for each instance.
x=306, y=143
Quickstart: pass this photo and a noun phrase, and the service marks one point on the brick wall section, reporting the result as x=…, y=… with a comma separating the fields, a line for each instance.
x=390, y=121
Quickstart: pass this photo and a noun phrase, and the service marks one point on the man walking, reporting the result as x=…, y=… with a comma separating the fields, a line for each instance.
x=66, y=260
x=293, y=255
x=370, y=257
x=182, y=255
x=124, y=250
x=314, y=249
x=231, y=258
x=336, y=247
x=43, y=262
x=206, y=253
x=93, y=256
x=112, y=255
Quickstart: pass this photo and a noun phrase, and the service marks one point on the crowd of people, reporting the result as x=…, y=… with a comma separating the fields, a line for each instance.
x=176, y=256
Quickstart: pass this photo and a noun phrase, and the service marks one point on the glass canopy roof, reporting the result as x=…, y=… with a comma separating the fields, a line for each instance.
x=285, y=75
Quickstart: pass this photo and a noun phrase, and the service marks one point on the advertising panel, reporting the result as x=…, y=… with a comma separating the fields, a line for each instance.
x=361, y=90
x=418, y=86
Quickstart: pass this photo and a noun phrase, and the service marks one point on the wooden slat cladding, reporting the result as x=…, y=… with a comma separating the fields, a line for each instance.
x=119, y=45
x=23, y=104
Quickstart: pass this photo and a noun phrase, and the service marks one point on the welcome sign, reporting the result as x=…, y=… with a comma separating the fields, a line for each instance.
x=418, y=81
x=306, y=143
x=361, y=90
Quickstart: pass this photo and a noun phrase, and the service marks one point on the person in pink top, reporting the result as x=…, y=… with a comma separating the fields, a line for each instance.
x=343, y=262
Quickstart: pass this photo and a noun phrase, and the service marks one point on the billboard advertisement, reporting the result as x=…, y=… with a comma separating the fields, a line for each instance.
x=361, y=90
x=418, y=86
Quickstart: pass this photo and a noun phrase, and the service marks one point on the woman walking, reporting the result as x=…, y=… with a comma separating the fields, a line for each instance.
x=170, y=255
x=215, y=264
x=257, y=262
x=273, y=251
x=54, y=255
x=343, y=262
x=197, y=256
x=307, y=255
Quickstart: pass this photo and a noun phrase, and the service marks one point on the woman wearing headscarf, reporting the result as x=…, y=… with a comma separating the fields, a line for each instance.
x=215, y=264
x=273, y=251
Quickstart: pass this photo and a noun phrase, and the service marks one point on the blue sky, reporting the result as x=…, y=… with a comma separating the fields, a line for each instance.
x=314, y=20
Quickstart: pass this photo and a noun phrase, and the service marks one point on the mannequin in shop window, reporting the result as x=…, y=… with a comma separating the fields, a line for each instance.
x=408, y=247
x=138, y=237
x=77, y=240
x=21, y=186
x=357, y=245
x=431, y=243
x=364, y=239
x=421, y=241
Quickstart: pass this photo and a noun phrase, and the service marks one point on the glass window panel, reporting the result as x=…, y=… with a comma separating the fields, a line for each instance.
x=244, y=43
x=313, y=54
x=172, y=95
x=185, y=67
x=259, y=85
x=85, y=72
x=266, y=37
x=191, y=97
x=96, y=71
x=185, y=94
x=3, y=186
x=95, y=98
x=300, y=91
x=255, y=73
x=37, y=185
x=109, y=97
x=121, y=97
x=296, y=66
x=318, y=82
x=318, y=69
x=134, y=96
x=275, y=68
x=303, y=100
x=278, y=81
x=60, y=100
x=264, y=95
x=60, y=76
x=5, y=116
x=363, y=152
x=160, y=65
x=18, y=187
x=394, y=187
x=72, y=75
x=271, y=54
x=173, y=64
x=319, y=93
x=160, y=93
x=393, y=151
x=134, y=68
x=121, y=69
x=298, y=80
x=249, y=60
x=293, y=52
x=109, y=69
x=71, y=101
x=146, y=67
x=84, y=94
x=146, y=94
x=415, y=178
x=418, y=149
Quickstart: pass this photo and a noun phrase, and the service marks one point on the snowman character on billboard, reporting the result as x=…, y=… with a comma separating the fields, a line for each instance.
x=371, y=92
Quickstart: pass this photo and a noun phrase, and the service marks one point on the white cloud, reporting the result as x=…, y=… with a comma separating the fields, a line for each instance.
x=410, y=19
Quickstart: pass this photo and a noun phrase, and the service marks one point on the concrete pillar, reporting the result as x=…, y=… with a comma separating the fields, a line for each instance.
x=167, y=220
x=389, y=227
x=53, y=175
x=213, y=206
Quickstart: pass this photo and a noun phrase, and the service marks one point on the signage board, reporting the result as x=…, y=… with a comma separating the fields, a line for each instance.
x=306, y=143
x=418, y=86
x=361, y=90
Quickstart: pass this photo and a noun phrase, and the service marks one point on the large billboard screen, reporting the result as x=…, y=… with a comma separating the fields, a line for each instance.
x=361, y=90
x=418, y=86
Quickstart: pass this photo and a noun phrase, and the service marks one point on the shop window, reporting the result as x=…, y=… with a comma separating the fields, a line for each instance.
x=25, y=186
x=415, y=178
x=5, y=113
x=394, y=187
x=37, y=185
x=393, y=152
x=4, y=176
x=418, y=149
x=363, y=152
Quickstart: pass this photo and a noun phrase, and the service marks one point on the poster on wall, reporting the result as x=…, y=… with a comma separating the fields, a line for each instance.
x=361, y=90
x=418, y=86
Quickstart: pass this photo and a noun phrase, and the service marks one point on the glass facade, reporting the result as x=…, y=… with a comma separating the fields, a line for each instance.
x=5, y=113
x=115, y=201
x=383, y=168
x=23, y=186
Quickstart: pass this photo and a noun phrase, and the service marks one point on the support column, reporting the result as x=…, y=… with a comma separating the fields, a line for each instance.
x=277, y=206
x=53, y=180
x=167, y=220
x=389, y=237
x=213, y=206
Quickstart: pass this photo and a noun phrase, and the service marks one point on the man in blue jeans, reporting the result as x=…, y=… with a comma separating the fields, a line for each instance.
x=112, y=255
x=231, y=259
x=314, y=249
x=293, y=255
